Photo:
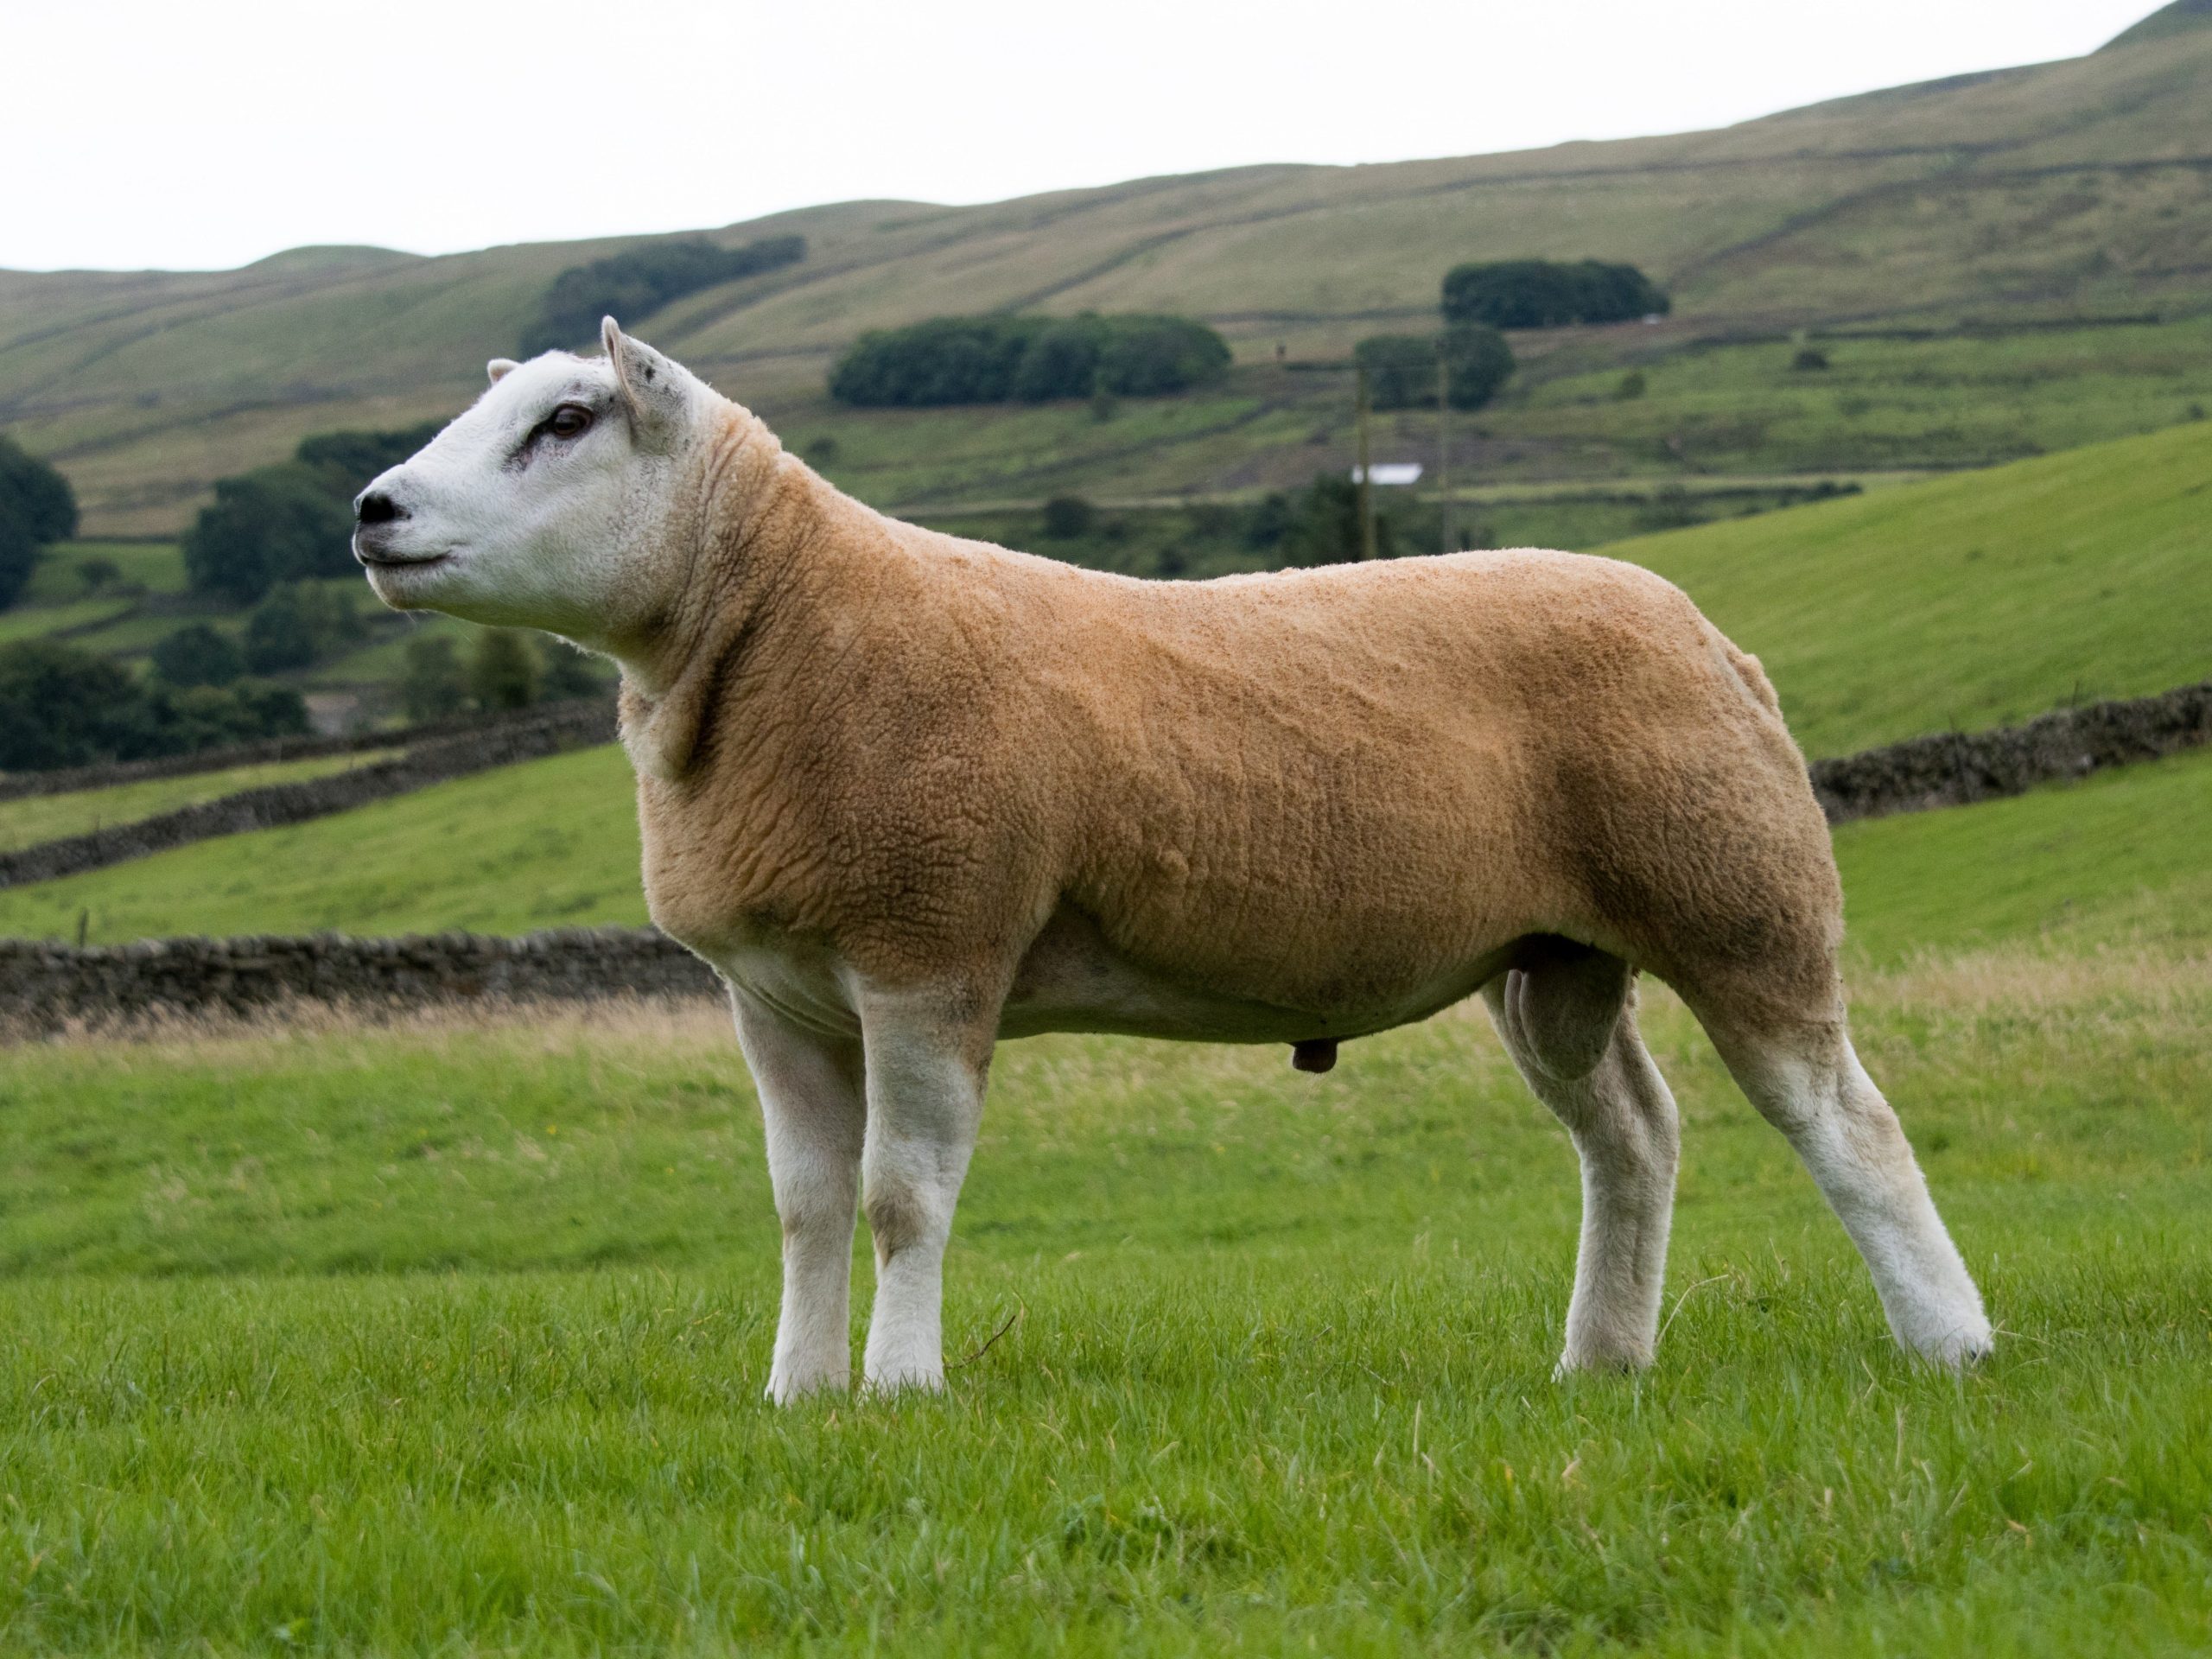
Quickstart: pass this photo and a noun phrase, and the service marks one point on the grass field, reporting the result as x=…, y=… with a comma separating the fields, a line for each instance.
x=451, y=1337
x=548, y=844
x=1971, y=600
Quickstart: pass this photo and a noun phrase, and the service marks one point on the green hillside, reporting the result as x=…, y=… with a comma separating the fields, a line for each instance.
x=1973, y=601
x=2061, y=190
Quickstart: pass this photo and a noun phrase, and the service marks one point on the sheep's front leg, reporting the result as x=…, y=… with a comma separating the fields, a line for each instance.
x=925, y=1076
x=812, y=1107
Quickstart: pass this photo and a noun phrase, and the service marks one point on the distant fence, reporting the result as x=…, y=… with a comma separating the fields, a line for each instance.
x=46, y=987
x=21, y=785
x=553, y=729
x=1956, y=769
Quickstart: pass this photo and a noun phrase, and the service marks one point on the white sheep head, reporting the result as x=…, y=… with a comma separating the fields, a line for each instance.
x=547, y=504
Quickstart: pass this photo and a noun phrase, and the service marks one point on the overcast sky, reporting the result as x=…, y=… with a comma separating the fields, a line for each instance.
x=148, y=133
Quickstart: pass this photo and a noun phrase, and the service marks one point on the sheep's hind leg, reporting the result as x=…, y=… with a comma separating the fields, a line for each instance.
x=812, y=1109
x=1805, y=1078
x=1569, y=1020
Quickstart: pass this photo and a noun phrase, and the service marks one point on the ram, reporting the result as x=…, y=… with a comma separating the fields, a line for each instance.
x=911, y=795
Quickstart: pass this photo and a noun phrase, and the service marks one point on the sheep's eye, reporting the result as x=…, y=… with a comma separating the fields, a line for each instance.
x=569, y=421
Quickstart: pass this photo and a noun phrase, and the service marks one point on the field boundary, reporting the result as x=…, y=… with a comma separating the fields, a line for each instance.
x=24, y=786
x=46, y=988
x=1958, y=768
x=554, y=730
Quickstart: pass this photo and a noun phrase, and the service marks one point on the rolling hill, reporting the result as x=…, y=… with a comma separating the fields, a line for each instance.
x=2082, y=187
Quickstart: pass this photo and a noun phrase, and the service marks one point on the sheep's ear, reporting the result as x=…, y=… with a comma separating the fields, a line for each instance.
x=499, y=368
x=651, y=385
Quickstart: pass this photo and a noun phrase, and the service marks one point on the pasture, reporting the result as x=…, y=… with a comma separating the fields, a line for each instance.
x=450, y=1335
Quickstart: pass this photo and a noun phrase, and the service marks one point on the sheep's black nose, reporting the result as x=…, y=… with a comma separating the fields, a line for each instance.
x=375, y=508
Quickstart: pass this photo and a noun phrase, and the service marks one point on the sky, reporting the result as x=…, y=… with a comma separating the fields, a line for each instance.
x=203, y=137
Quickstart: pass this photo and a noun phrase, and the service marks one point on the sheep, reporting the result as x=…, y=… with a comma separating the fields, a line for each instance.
x=911, y=794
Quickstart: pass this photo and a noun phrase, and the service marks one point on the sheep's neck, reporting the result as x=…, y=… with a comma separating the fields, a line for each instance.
x=745, y=549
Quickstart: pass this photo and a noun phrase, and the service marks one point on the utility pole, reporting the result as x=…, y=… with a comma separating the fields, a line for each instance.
x=1443, y=445
x=1366, y=469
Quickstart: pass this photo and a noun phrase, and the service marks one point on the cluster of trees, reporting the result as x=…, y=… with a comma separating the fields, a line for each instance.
x=1549, y=294
x=63, y=707
x=1402, y=368
x=506, y=669
x=297, y=625
x=992, y=359
x=37, y=508
x=641, y=280
x=291, y=521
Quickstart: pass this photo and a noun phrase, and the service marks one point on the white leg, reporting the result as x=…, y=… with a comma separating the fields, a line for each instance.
x=925, y=1076
x=1807, y=1080
x=1571, y=1028
x=813, y=1108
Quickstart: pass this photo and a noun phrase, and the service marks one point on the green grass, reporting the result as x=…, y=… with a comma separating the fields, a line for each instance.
x=548, y=844
x=451, y=1338
x=1971, y=600
x=46, y=817
x=2117, y=857
x=156, y=567
x=79, y=616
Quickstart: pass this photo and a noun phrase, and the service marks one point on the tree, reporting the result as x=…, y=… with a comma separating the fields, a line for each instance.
x=1148, y=356
x=280, y=634
x=62, y=707
x=988, y=360
x=569, y=672
x=36, y=492
x=37, y=507
x=197, y=655
x=945, y=361
x=1547, y=294
x=434, y=687
x=1481, y=362
x=1402, y=368
x=503, y=670
x=275, y=523
x=1067, y=517
x=99, y=573
x=19, y=552
x=346, y=460
x=1323, y=525
x=206, y=716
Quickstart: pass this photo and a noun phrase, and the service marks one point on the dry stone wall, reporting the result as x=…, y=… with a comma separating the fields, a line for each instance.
x=1956, y=769
x=22, y=785
x=46, y=987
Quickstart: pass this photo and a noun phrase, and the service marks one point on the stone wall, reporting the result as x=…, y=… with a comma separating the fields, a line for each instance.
x=46, y=987
x=553, y=730
x=22, y=785
x=1955, y=769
